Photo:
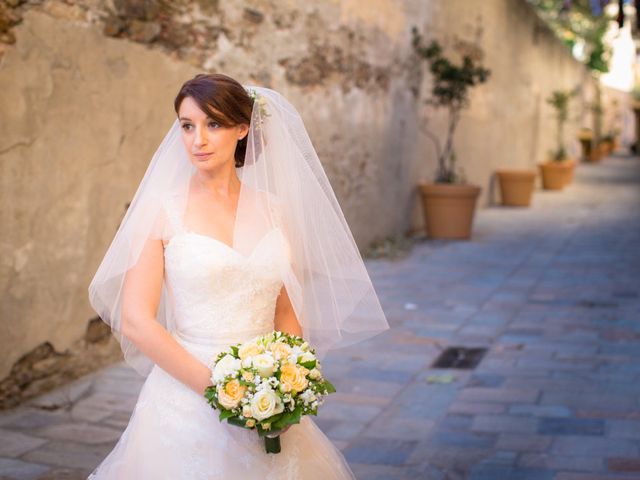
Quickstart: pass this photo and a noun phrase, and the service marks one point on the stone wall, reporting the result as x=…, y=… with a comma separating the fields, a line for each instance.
x=85, y=96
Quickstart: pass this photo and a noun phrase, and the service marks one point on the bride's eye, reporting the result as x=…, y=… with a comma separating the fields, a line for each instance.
x=186, y=127
x=214, y=125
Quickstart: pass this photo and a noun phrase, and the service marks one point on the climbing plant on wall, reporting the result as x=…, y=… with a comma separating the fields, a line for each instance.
x=582, y=25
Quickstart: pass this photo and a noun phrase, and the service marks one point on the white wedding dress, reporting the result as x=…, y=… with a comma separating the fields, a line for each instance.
x=220, y=297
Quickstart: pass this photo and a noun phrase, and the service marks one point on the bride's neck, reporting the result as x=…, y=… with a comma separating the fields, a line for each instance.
x=221, y=183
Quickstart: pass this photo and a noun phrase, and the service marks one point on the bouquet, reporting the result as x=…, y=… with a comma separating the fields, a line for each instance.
x=267, y=384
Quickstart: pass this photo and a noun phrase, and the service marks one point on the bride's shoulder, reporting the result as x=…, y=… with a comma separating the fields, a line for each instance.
x=167, y=219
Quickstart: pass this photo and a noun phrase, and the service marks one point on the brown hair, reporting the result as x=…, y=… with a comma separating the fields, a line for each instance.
x=223, y=99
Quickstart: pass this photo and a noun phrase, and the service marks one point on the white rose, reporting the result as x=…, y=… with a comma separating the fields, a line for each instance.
x=226, y=366
x=307, y=357
x=246, y=363
x=315, y=374
x=265, y=404
x=264, y=364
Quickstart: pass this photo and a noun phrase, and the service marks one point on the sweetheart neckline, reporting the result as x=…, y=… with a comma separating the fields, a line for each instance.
x=220, y=242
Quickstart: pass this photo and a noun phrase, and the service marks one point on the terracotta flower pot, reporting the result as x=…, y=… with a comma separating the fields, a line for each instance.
x=606, y=147
x=571, y=169
x=555, y=175
x=516, y=186
x=449, y=209
x=587, y=149
x=616, y=144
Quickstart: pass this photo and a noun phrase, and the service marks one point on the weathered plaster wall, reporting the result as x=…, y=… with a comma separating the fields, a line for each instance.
x=81, y=115
x=84, y=112
x=85, y=96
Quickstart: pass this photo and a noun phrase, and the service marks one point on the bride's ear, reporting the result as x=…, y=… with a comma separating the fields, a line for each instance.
x=243, y=130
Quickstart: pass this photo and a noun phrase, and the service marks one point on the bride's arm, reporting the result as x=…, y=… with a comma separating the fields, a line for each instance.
x=140, y=299
x=285, y=319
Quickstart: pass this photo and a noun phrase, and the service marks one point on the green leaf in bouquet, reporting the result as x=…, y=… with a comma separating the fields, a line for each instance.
x=238, y=422
x=328, y=386
x=288, y=418
x=309, y=365
x=224, y=414
x=212, y=398
x=234, y=350
x=210, y=393
x=275, y=418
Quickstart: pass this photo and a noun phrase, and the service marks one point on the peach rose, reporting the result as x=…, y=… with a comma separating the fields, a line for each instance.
x=249, y=349
x=293, y=378
x=280, y=350
x=230, y=395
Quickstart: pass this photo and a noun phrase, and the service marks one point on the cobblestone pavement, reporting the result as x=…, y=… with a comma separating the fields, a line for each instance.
x=552, y=291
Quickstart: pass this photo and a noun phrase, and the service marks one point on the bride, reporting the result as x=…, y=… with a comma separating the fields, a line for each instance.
x=233, y=232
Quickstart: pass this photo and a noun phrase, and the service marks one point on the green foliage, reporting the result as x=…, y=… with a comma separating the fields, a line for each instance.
x=577, y=24
x=328, y=387
x=224, y=414
x=451, y=85
x=559, y=100
x=310, y=365
x=451, y=82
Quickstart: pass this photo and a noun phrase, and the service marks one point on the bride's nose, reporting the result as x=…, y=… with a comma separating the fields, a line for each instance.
x=201, y=137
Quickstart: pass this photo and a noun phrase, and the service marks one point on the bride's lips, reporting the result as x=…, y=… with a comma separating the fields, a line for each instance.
x=203, y=154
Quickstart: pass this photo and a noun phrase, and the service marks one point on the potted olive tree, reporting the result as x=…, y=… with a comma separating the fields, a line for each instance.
x=557, y=172
x=449, y=202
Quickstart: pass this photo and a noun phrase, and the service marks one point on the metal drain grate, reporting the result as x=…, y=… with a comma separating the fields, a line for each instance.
x=597, y=304
x=460, y=357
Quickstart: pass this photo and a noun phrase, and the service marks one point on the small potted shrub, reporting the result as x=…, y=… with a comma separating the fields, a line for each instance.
x=449, y=202
x=557, y=172
x=600, y=145
x=614, y=125
x=585, y=137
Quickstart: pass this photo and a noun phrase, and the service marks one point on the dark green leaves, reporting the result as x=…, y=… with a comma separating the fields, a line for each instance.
x=309, y=365
x=451, y=81
x=328, y=386
x=224, y=414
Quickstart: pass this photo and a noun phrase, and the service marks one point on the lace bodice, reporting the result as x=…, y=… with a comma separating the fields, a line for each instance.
x=220, y=295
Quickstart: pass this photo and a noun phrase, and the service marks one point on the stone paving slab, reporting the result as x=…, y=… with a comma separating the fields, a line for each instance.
x=553, y=293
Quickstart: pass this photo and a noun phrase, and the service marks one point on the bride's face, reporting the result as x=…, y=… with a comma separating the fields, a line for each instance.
x=208, y=144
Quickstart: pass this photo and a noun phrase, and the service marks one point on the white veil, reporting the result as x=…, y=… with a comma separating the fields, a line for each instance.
x=283, y=186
